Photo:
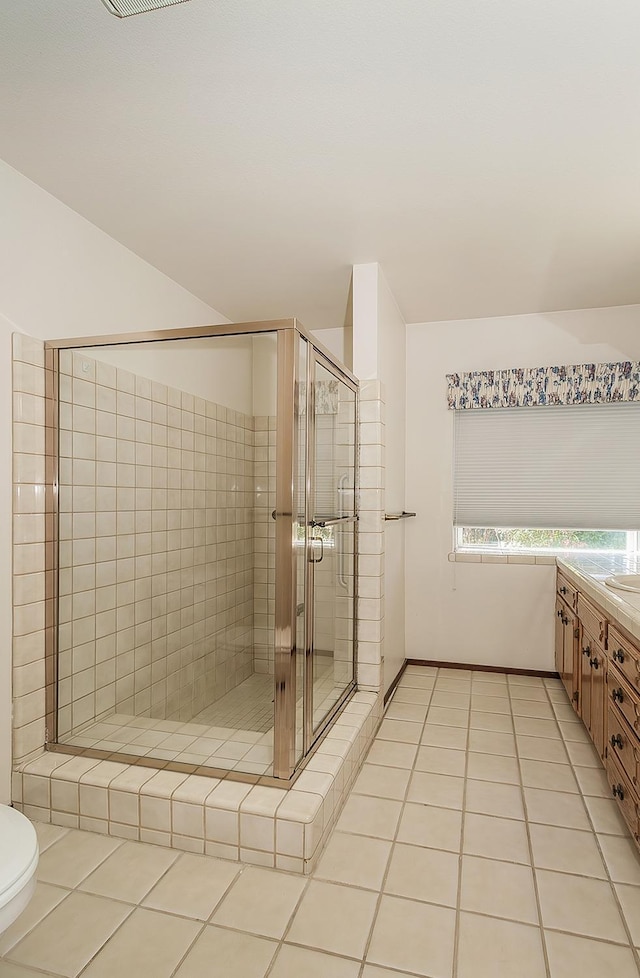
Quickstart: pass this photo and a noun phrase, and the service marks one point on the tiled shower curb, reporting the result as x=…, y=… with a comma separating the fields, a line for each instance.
x=274, y=827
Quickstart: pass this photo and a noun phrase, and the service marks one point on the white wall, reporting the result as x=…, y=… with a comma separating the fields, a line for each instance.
x=365, y=321
x=379, y=352
x=483, y=613
x=264, y=382
x=61, y=276
x=392, y=340
x=338, y=341
x=216, y=368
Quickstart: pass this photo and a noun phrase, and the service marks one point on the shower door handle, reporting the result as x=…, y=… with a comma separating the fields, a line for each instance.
x=312, y=550
x=334, y=521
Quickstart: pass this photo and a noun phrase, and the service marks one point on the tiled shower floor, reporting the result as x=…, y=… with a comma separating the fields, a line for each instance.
x=247, y=707
x=479, y=841
x=234, y=733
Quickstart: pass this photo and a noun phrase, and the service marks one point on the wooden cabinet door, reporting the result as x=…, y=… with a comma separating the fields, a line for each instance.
x=566, y=630
x=586, y=652
x=570, y=666
x=598, y=700
x=559, y=637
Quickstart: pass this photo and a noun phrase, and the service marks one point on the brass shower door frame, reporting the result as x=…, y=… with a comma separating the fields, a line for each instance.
x=290, y=333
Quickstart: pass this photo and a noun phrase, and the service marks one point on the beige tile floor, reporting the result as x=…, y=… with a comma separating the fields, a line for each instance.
x=479, y=841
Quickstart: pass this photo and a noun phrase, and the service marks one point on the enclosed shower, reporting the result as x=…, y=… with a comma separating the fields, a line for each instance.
x=205, y=522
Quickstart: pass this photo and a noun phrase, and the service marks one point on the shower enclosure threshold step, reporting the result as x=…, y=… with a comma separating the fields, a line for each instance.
x=280, y=827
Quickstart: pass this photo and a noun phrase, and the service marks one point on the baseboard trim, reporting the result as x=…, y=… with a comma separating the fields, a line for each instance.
x=392, y=688
x=542, y=673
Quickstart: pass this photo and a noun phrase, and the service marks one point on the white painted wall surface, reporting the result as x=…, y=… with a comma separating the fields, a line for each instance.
x=337, y=341
x=379, y=352
x=392, y=341
x=481, y=613
x=216, y=368
x=264, y=379
x=365, y=321
x=62, y=276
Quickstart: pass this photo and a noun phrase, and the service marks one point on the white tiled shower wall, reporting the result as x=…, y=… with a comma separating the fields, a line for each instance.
x=32, y=559
x=371, y=536
x=264, y=574
x=156, y=546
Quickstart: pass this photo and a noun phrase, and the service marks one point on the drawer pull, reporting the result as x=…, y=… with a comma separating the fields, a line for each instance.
x=618, y=695
x=618, y=656
x=618, y=791
x=617, y=741
x=587, y=651
x=559, y=613
x=563, y=590
x=594, y=663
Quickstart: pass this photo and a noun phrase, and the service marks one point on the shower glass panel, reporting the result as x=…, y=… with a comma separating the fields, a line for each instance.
x=167, y=478
x=206, y=536
x=332, y=527
x=299, y=535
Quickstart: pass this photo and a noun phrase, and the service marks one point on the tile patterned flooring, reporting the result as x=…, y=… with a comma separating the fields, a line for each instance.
x=479, y=841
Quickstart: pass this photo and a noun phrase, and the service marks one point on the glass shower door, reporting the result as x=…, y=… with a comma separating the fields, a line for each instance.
x=332, y=543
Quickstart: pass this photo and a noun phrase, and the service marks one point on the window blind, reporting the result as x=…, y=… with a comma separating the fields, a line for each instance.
x=572, y=467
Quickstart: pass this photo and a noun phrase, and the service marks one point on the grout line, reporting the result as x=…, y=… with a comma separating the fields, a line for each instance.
x=534, y=877
x=456, y=939
x=281, y=941
x=395, y=835
x=110, y=938
x=190, y=947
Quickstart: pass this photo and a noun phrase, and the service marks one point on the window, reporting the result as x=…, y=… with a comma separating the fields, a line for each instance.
x=527, y=539
x=548, y=478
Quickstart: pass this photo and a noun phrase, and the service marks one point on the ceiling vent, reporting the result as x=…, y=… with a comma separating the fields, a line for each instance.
x=127, y=8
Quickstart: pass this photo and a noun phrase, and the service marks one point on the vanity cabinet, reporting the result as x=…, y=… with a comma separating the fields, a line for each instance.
x=593, y=671
x=604, y=687
x=625, y=794
x=593, y=678
x=625, y=657
x=567, y=633
x=598, y=728
x=623, y=745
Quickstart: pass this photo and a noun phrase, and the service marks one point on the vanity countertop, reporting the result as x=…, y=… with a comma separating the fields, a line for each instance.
x=589, y=571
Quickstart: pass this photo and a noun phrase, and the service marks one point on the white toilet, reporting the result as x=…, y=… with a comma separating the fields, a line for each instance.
x=18, y=864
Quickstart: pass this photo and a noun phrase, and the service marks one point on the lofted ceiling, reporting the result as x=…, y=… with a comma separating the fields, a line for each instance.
x=485, y=152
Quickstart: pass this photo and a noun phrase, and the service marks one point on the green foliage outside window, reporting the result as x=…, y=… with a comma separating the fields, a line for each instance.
x=534, y=539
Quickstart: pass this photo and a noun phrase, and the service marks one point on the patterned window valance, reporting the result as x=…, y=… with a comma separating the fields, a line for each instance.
x=589, y=383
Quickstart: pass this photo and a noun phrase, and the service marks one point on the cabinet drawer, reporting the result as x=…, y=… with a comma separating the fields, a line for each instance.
x=622, y=696
x=623, y=745
x=592, y=619
x=622, y=790
x=567, y=591
x=625, y=656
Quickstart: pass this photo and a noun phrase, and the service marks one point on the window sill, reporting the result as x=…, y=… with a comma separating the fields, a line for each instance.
x=490, y=557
